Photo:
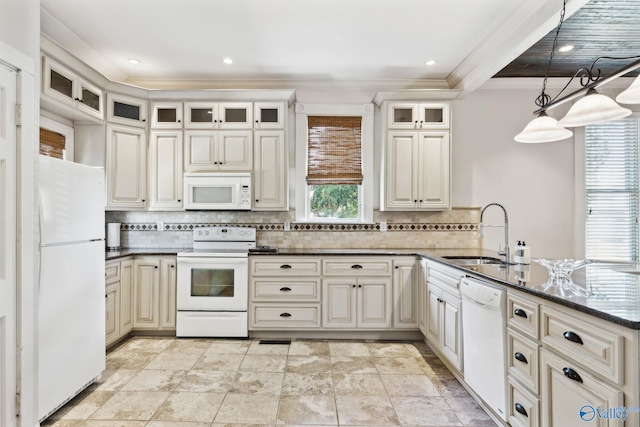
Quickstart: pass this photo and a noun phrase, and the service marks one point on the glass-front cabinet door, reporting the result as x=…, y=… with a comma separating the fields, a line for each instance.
x=90, y=99
x=407, y=115
x=200, y=115
x=235, y=115
x=166, y=115
x=126, y=110
x=269, y=115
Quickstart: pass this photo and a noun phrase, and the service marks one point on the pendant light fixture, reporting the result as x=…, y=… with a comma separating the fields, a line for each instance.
x=545, y=128
x=592, y=108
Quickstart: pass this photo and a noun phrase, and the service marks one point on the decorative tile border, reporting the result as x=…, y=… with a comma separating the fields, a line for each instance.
x=394, y=227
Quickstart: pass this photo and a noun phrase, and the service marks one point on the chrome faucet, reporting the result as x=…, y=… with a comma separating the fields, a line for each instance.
x=506, y=251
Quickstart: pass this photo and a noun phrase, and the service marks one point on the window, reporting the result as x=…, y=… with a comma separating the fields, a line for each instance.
x=334, y=151
x=612, y=190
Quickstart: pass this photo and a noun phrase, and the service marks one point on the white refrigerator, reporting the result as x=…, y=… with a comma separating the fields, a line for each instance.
x=71, y=293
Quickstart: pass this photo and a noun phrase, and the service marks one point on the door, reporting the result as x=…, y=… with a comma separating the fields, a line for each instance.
x=401, y=170
x=126, y=167
x=405, y=307
x=235, y=151
x=374, y=303
x=200, y=151
x=146, y=293
x=213, y=284
x=168, y=277
x=8, y=368
x=433, y=155
x=165, y=170
x=270, y=172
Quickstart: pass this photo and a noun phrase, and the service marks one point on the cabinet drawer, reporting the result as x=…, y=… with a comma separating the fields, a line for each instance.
x=346, y=266
x=597, y=349
x=522, y=360
x=522, y=314
x=112, y=272
x=285, y=266
x=292, y=316
x=300, y=289
x=443, y=275
x=522, y=406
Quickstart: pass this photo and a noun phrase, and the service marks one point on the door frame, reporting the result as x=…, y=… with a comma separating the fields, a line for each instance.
x=27, y=257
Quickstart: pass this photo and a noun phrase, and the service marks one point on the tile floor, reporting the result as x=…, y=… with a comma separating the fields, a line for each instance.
x=170, y=382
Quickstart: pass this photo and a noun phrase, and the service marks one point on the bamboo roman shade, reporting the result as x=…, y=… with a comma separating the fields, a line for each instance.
x=51, y=143
x=334, y=154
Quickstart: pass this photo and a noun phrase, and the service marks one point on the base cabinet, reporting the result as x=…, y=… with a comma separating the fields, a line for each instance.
x=154, y=293
x=356, y=303
x=118, y=300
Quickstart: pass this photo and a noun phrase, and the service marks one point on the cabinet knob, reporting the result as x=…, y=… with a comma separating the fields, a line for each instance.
x=415, y=201
x=172, y=266
x=257, y=121
x=285, y=289
x=520, y=409
x=179, y=201
x=520, y=313
x=520, y=357
x=353, y=286
x=257, y=200
x=285, y=266
x=573, y=337
x=572, y=375
x=155, y=266
x=285, y=315
x=143, y=200
x=356, y=266
x=359, y=286
x=397, y=267
x=144, y=120
x=179, y=121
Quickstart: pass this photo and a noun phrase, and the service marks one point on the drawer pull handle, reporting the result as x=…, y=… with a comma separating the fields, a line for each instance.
x=285, y=314
x=520, y=313
x=572, y=375
x=285, y=289
x=520, y=409
x=520, y=357
x=356, y=266
x=573, y=337
x=285, y=266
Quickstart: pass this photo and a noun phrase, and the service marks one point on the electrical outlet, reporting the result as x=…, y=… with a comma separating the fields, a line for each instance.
x=160, y=225
x=383, y=226
x=287, y=226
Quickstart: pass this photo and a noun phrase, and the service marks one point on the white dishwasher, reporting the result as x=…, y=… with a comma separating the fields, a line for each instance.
x=483, y=331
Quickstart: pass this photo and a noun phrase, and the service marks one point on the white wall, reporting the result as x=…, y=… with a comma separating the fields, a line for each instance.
x=20, y=25
x=534, y=182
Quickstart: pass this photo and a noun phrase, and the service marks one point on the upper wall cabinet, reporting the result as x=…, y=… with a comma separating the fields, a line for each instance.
x=411, y=115
x=416, y=160
x=69, y=89
x=269, y=115
x=222, y=115
x=166, y=115
x=126, y=110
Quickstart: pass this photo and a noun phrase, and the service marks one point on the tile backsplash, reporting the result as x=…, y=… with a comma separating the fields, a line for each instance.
x=457, y=228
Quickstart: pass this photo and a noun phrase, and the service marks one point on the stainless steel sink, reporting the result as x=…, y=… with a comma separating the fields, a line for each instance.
x=473, y=260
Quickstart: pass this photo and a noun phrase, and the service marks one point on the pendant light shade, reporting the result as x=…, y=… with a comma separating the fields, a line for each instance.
x=543, y=129
x=593, y=108
x=632, y=94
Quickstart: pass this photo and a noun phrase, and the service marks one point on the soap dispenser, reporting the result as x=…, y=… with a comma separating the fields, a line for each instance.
x=522, y=254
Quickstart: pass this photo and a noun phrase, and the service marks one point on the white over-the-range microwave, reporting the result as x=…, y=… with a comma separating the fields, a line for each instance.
x=217, y=191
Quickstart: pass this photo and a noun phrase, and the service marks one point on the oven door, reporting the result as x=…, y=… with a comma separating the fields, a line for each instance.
x=212, y=284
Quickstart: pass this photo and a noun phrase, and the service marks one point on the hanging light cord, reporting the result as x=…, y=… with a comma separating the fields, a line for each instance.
x=543, y=99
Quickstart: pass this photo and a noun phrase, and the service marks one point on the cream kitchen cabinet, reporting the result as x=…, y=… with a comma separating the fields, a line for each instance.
x=356, y=302
x=165, y=170
x=284, y=293
x=166, y=115
x=423, y=301
x=127, y=110
x=118, y=299
x=270, y=115
x=443, y=322
x=217, y=151
x=411, y=115
x=270, y=171
x=126, y=166
x=218, y=115
x=405, y=293
x=70, y=90
x=417, y=170
x=154, y=293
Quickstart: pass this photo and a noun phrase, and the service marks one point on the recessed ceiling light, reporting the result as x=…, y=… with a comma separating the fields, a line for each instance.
x=430, y=62
x=227, y=61
x=566, y=48
x=134, y=61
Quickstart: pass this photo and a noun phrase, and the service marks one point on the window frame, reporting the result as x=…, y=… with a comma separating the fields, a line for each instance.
x=366, y=190
x=580, y=200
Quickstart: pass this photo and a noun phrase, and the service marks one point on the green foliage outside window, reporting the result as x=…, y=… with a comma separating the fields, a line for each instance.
x=334, y=201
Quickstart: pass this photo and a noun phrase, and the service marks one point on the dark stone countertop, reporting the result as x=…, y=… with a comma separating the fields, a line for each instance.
x=615, y=295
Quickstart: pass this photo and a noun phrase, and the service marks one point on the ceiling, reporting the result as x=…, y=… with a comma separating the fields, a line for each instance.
x=600, y=27
x=276, y=41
